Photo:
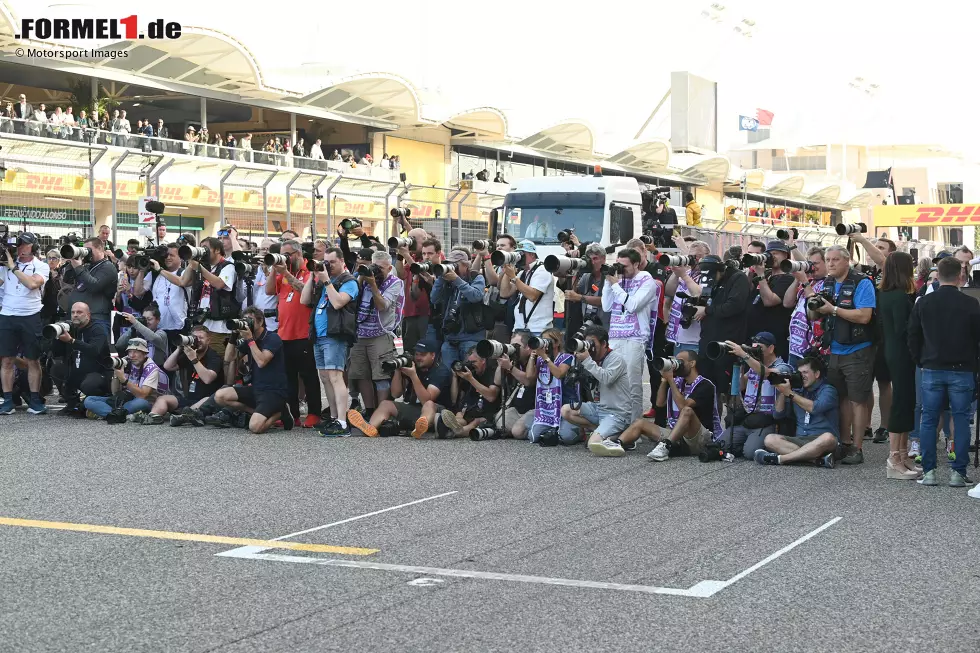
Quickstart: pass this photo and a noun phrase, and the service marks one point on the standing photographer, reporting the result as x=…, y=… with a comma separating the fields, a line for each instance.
x=535, y=309
x=588, y=292
x=417, y=308
x=803, y=332
x=501, y=306
x=630, y=300
x=95, y=283
x=167, y=291
x=265, y=276
x=767, y=311
x=723, y=319
x=23, y=282
x=684, y=332
x=86, y=362
x=461, y=293
x=217, y=292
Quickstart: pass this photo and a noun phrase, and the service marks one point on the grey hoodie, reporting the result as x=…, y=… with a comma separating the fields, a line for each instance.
x=614, y=384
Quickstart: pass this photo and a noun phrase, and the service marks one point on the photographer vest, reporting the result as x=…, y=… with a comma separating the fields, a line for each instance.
x=342, y=324
x=800, y=329
x=674, y=412
x=850, y=333
x=368, y=318
x=675, y=333
x=138, y=375
x=223, y=303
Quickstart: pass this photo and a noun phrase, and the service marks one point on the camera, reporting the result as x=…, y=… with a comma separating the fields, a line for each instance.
x=484, y=433
x=848, y=229
x=54, y=331
x=274, y=259
x=187, y=341
x=350, y=224
x=795, y=379
x=670, y=364
x=239, y=325
x=482, y=246
x=369, y=270
x=459, y=366
x=784, y=234
x=713, y=452
x=646, y=240
x=824, y=296
x=576, y=346
x=715, y=350
x=427, y=268
x=796, y=266
x=120, y=363
x=565, y=235
x=396, y=363
x=452, y=322
x=563, y=266
x=534, y=343
x=399, y=212
x=407, y=242
x=270, y=312
x=751, y=260
x=612, y=269
x=142, y=258
x=70, y=252
x=315, y=266
x=677, y=260
x=494, y=349
x=500, y=257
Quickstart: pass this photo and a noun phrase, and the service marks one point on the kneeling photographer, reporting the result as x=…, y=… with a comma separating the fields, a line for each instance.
x=135, y=387
x=86, y=363
x=421, y=381
x=205, y=377
x=817, y=415
x=460, y=290
x=754, y=420
x=265, y=398
x=546, y=370
x=610, y=409
x=474, y=393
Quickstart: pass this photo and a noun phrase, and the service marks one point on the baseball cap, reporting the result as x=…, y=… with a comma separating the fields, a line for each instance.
x=765, y=338
x=26, y=238
x=427, y=346
x=456, y=256
x=941, y=255
x=137, y=344
x=777, y=246
x=527, y=246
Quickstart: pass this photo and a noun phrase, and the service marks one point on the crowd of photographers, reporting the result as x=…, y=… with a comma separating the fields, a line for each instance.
x=769, y=354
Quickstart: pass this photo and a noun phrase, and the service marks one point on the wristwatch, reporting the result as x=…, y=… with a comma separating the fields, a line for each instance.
x=835, y=311
x=792, y=396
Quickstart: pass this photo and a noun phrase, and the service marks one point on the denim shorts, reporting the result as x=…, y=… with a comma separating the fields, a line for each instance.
x=330, y=353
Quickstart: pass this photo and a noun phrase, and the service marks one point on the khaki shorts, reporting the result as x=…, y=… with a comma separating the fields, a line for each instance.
x=688, y=446
x=366, y=356
x=852, y=375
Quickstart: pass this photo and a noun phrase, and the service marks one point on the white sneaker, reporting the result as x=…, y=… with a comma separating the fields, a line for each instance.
x=975, y=492
x=607, y=448
x=659, y=453
x=914, y=449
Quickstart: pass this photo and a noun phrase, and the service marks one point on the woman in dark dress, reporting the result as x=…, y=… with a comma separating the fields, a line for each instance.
x=895, y=300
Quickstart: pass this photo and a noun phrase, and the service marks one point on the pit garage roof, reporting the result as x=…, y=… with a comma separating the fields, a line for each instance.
x=572, y=139
x=650, y=156
x=483, y=123
x=375, y=95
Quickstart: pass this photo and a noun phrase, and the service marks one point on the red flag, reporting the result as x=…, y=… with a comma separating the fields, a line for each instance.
x=764, y=117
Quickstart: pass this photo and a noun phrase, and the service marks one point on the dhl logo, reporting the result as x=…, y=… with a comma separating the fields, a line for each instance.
x=948, y=214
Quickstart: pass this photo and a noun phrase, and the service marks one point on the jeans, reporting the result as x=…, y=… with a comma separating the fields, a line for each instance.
x=938, y=387
x=944, y=418
x=743, y=442
x=101, y=406
x=455, y=350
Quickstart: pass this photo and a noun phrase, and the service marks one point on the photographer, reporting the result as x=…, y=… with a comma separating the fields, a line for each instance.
x=501, y=307
x=685, y=332
x=546, y=368
x=379, y=311
x=692, y=414
x=416, y=315
x=95, y=283
x=167, y=292
x=461, y=293
x=23, y=282
x=631, y=301
x=367, y=243
x=766, y=311
x=204, y=368
x=265, y=399
x=134, y=388
x=609, y=411
x=815, y=406
x=217, y=292
x=475, y=393
x=420, y=385
x=588, y=292
x=535, y=310
x=518, y=402
x=265, y=276
x=333, y=328
x=723, y=319
x=847, y=324
x=294, y=330
x=86, y=362
x=755, y=420
x=155, y=338
x=804, y=333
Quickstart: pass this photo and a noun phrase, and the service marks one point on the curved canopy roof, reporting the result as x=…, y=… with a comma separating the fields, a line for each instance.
x=649, y=155
x=376, y=95
x=789, y=186
x=483, y=123
x=826, y=194
x=860, y=200
x=572, y=138
x=709, y=169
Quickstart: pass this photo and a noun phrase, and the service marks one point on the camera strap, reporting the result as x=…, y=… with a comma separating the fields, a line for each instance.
x=523, y=305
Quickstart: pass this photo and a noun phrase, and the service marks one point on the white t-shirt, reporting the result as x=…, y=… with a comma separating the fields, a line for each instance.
x=262, y=300
x=543, y=316
x=171, y=299
x=229, y=277
x=18, y=299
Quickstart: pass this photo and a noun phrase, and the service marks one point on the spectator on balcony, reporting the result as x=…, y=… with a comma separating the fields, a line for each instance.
x=163, y=135
x=693, y=210
x=385, y=162
x=41, y=121
x=482, y=175
x=499, y=178
x=232, y=145
x=190, y=138
x=103, y=128
x=141, y=141
x=56, y=123
x=203, y=138
x=147, y=129
x=336, y=156
x=85, y=125
x=316, y=152
x=125, y=128
x=245, y=149
x=115, y=127
x=300, y=149
x=396, y=161
x=7, y=117
x=23, y=110
x=69, y=124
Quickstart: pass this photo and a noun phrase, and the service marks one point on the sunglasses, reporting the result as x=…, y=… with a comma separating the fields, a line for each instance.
x=224, y=234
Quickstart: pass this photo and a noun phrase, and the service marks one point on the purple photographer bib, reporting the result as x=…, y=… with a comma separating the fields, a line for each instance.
x=368, y=318
x=799, y=325
x=675, y=333
x=622, y=324
x=547, y=399
x=674, y=412
x=767, y=398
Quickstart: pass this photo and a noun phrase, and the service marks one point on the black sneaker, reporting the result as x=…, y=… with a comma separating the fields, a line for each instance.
x=627, y=447
x=71, y=409
x=333, y=429
x=178, y=420
x=443, y=432
x=881, y=435
x=221, y=419
x=868, y=434
x=287, y=418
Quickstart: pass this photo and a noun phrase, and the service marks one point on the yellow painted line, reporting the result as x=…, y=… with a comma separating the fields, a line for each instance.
x=186, y=537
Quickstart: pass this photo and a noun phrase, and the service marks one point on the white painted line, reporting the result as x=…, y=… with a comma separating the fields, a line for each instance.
x=245, y=550
x=702, y=590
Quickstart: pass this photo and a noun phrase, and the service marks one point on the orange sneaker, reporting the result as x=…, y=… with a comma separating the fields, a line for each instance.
x=311, y=421
x=421, y=427
x=355, y=419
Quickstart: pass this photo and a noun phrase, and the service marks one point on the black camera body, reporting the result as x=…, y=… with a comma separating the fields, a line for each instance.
x=403, y=360
x=713, y=452
x=459, y=366
x=236, y=325
x=795, y=379
x=452, y=322
x=612, y=269
x=826, y=295
x=141, y=258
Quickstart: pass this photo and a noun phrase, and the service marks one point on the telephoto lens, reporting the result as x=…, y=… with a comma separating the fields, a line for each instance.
x=71, y=252
x=751, y=260
x=418, y=268
x=646, y=239
x=563, y=266
x=483, y=433
x=500, y=257
x=440, y=269
x=119, y=363
x=187, y=253
x=482, y=245
x=577, y=346
x=397, y=242
x=784, y=234
x=274, y=259
x=494, y=349
x=349, y=224
x=847, y=229
x=677, y=260
x=715, y=350
x=187, y=341
x=54, y=331
x=666, y=364
x=396, y=363
x=237, y=325
x=401, y=213
x=796, y=266
x=795, y=379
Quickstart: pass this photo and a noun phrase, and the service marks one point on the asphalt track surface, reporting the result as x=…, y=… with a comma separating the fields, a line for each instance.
x=520, y=547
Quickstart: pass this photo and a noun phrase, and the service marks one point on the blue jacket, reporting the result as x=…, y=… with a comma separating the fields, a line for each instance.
x=825, y=417
x=463, y=293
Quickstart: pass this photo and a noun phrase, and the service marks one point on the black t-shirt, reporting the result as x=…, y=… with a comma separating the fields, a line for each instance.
x=272, y=377
x=471, y=398
x=704, y=403
x=197, y=389
x=437, y=375
x=774, y=319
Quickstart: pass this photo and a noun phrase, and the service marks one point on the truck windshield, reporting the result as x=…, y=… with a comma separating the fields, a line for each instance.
x=541, y=224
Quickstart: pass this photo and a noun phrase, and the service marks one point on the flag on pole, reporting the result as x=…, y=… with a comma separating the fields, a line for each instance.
x=764, y=117
x=748, y=124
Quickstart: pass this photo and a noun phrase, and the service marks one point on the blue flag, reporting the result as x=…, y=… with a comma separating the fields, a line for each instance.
x=748, y=124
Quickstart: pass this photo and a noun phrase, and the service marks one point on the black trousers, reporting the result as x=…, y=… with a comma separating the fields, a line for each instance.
x=300, y=364
x=71, y=382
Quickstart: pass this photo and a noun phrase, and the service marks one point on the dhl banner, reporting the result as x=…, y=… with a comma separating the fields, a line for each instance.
x=235, y=198
x=927, y=215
